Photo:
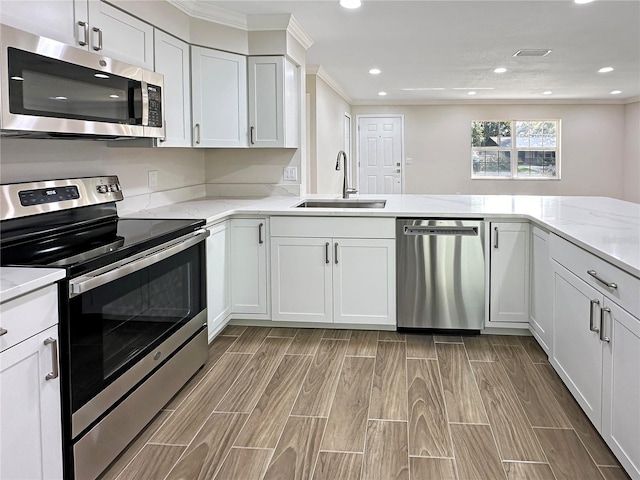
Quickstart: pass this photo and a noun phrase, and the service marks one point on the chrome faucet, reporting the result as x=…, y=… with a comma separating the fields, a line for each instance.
x=346, y=191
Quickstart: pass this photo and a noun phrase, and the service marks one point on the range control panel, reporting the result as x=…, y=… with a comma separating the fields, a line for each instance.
x=48, y=195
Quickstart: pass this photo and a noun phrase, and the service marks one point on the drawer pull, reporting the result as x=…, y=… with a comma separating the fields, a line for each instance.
x=592, y=327
x=603, y=337
x=3, y=331
x=335, y=254
x=54, y=358
x=594, y=274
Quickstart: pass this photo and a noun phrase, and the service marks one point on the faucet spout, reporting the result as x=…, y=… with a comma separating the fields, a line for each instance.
x=345, y=182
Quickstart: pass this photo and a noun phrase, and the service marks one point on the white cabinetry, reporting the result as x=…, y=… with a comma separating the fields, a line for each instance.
x=596, y=345
x=171, y=57
x=341, y=278
x=218, y=278
x=219, y=81
x=30, y=430
x=248, y=248
x=541, y=305
x=274, y=102
x=51, y=19
x=509, y=282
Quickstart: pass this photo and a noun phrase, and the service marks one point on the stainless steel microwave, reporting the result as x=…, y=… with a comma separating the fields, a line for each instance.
x=53, y=90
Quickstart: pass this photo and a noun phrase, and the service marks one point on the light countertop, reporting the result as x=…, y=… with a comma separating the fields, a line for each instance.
x=607, y=227
x=16, y=281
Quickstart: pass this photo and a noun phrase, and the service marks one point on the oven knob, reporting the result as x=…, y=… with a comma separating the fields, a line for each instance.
x=157, y=356
x=102, y=189
x=114, y=187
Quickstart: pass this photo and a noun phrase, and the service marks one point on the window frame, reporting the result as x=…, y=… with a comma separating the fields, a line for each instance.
x=513, y=150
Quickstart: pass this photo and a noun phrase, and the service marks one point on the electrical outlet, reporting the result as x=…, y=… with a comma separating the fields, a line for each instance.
x=291, y=173
x=153, y=178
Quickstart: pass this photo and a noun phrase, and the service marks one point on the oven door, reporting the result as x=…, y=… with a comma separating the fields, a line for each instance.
x=126, y=320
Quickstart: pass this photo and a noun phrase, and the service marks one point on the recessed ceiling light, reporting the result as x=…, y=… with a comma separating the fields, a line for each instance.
x=58, y=98
x=375, y=71
x=350, y=3
x=471, y=93
x=422, y=89
x=500, y=70
x=382, y=94
x=19, y=79
x=616, y=92
x=580, y=2
x=531, y=53
x=100, y=75
x=547, y=92
x=605, y=70
x=472, y=88
x=114, y=96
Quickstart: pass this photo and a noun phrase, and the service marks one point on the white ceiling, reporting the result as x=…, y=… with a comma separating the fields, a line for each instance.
x=452, y=44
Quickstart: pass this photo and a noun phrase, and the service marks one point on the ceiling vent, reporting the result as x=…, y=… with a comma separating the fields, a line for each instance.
x=532, y=53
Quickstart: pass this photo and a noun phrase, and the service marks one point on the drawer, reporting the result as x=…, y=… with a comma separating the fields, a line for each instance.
x=28, y=315
x=580, y=262
x=346, y=227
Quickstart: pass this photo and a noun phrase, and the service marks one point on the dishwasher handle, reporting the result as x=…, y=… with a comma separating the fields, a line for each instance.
x=435, y=230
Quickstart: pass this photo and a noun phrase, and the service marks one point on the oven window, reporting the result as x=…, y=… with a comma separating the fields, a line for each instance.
x=115, y=325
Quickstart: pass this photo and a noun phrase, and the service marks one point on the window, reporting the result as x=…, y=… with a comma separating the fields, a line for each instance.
x=515, y=149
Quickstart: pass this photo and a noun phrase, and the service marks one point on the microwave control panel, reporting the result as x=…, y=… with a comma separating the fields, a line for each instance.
x=155, y=106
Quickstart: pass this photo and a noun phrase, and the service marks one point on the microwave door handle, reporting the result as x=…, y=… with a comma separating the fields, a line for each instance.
x=88, y=282
x=145, y=103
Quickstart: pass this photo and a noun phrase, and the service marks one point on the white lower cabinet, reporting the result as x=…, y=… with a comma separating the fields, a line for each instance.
x=30, y=420
x=509, y=281
x=218, y=278
x=341, y=280
x=248, y=249
x=596, y=345
x=541, y=306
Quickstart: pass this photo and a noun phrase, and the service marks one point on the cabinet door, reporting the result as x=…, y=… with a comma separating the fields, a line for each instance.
x=118, y=35
x=219, y=98
x=171, y=57
x=621, y=387
x=248, y=265
x=49, y=19
x=301, y=279
x=540, y=315
x=577, y=349
x=218, y=280
x=509, y=299
x=266, y=101
x=30, y=430
x=364, y=281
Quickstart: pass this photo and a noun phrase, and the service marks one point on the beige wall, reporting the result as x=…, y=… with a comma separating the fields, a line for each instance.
x=27, y=159
x=327, y=110
x=631, y=168
x=437, y=139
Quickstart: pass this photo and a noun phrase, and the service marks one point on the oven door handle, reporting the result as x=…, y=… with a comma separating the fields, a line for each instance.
x=89, y=282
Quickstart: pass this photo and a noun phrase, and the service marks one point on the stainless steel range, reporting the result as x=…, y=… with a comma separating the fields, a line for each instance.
x=132, y=307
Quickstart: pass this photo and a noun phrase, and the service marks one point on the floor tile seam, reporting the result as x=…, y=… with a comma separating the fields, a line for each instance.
x=391, y=340
x=429, y=456
x=164, y=444
x=366, y=428
x=555, y=428
x=361, y=356
x=221, y=463
x=446, y=413
x=469, y=423
x=407, y=386
x=237, y=447
x=326, y=450
x=584, y=445
x=307, y=416
x=258, y=347
x=421, y=358
x=532, y=462
x=386, y=420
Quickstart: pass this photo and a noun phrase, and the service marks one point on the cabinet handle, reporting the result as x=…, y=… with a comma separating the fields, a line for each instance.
x=326, y=253
x=335, y=252
x=197, y=127
x=594, y=274
x=603, y=337
x=3, y=331
x=99, y=32
x=85, y=33
x=260, y=239
x=54, y=357
x=253, y=135
x=592, y=327
x=495, y=238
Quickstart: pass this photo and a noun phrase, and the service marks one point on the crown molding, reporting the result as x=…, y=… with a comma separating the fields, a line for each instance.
x=498, y=101
x=299, y=33
x=324, y=75
x=203, y=11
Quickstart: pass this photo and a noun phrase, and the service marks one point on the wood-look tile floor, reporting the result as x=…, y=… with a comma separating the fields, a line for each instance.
x=294, y=404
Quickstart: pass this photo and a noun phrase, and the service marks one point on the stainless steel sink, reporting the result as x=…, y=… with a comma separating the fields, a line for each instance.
x=342, y=203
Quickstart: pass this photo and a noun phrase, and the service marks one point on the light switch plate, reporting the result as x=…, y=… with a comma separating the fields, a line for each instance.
x=291, y=173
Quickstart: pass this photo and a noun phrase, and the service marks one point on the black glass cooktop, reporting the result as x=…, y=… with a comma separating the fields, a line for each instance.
x=82, y=249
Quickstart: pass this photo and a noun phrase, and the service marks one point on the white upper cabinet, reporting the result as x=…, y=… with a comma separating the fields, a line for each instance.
x=274, y=106
x=509, y=298
x=172, y=61
x=51, y=19
x=219, y=81
x=111, y=32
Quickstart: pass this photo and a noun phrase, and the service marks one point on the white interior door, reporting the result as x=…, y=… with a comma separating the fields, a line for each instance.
x=380, y=154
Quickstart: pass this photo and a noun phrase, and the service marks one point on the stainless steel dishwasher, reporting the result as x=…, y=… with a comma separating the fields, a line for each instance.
x=440, y=274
